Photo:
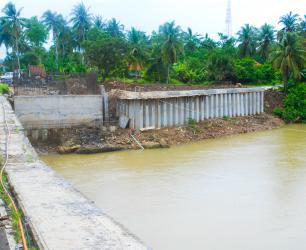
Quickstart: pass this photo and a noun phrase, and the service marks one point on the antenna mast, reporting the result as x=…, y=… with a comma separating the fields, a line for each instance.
x=228, y=20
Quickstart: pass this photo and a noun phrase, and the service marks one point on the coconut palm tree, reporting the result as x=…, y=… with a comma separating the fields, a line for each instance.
x=290, y=22
x=54, y=23
x=266, y=39
x=81, y=22
x=247, y=38
x=172, y=44
x=6, y=38
x=289, y=57
x=11, y=25
x=99, y=22
x=192, y=41
x=138, y=43
x=115, y=28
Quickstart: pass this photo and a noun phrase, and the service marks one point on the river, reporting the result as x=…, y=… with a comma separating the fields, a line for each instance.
x=233, y=193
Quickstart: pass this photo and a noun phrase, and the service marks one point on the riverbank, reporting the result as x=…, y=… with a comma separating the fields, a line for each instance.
x=94, y=140
x=85, y=140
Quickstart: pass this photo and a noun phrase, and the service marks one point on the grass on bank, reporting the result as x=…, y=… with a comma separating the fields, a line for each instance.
x=4, y=88
x=14, y=216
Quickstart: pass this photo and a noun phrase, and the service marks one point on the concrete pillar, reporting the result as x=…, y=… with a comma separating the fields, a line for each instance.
x=137, y=117
x=212, y=106
x=170, y=114
x=176, y=111
x=197, y=108
x=159, y=114
x=206, y=107
x=225, y=113
x=141, y=114
x=153, y=113
x=217, y=105
x=221, y=105
x=246, y=104
x=250, y=101
x=181, y=110
x=202, y=101
x=146, y=114
x=190, y=108
x=238, y=104
x=254, y=103
x=193, y=107
x=131, y=113
x=241, y=104
x=230, y=107
x=234, y=103
x=186, y=110
x=165, y=113
x=257, y=102
x=262, y=101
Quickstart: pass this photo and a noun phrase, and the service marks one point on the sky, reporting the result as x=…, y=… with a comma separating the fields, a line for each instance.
x=203, y=16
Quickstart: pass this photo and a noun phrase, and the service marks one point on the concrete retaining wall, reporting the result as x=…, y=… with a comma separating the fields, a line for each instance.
x=173, y=108
x=59, y=111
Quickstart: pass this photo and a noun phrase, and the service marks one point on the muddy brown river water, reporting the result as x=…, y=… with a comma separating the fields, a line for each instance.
x=235, y=193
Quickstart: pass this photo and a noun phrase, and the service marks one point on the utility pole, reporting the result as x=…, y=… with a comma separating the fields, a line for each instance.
x=228, y=20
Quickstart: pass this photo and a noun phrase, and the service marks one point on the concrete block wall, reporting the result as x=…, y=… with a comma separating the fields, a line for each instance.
x=59, y=111
x=173, y=108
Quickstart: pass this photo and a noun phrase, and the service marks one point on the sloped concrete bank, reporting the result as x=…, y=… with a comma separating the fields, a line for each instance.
x=60, y=217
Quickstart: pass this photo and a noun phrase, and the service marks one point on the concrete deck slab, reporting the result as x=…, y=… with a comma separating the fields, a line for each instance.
x=59, y=215
x=129, y=95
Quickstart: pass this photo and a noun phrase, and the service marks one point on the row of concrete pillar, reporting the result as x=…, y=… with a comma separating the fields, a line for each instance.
x=167, y=112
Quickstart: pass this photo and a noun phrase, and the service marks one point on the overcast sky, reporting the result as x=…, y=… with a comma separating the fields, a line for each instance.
x=203, y=16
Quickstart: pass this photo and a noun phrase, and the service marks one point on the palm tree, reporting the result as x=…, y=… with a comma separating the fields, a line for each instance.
x=192, y=41
x=290, y=22
x=6, y=38
x=172, y=44
x=114, y=28
x=289, y=57
x=247, y=38
x=138, y=42
x=99, y=22
x=266, y=39
x=81, y=22
x=54, y=22
x=11, y=26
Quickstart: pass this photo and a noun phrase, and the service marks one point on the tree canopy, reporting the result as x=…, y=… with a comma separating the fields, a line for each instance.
x=85, y=41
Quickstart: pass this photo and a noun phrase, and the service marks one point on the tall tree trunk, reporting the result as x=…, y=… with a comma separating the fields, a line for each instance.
x=56, y=55
x=55, y=40
x=17, y=55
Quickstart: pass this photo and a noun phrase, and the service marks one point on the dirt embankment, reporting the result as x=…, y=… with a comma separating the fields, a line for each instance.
x=273, y=99
x=92, y=140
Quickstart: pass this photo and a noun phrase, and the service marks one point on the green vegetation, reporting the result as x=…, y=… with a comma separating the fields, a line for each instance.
x=85, y=42
x=14, y=215
x=294, y=105
x=4, y=88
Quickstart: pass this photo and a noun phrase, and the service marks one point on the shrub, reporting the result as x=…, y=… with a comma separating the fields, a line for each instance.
x=4, y=88
x=245, y=70
x=278, y=112
x=295, y=105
